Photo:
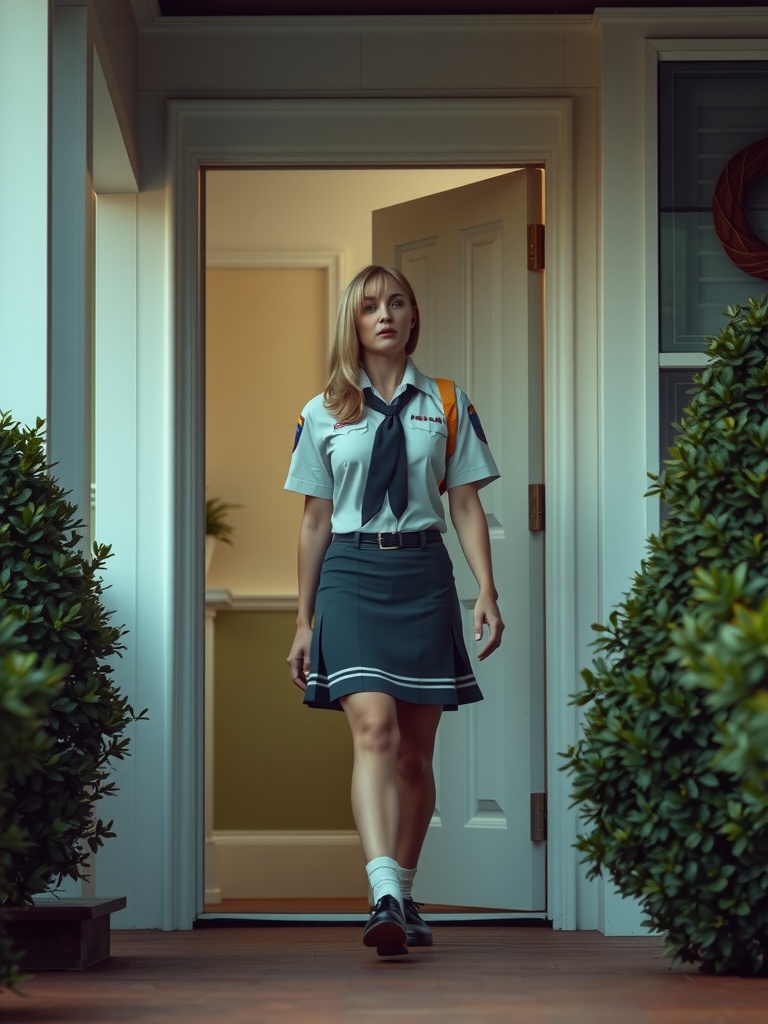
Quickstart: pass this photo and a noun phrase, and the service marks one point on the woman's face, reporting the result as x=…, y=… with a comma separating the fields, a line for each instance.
x=385, y=320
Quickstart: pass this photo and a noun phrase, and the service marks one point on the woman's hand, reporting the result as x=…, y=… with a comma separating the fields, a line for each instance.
x=298, y=659
x=314, y=538
x=472, y=527
x=487, y=613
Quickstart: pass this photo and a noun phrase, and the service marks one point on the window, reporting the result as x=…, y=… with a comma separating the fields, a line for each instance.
x=708, y=111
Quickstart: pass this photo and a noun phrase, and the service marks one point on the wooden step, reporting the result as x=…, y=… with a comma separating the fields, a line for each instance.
x=62, y=935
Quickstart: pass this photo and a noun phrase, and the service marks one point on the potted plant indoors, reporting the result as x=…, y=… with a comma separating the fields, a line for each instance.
x=671, y=772
x=52, y=593
x=217, y=526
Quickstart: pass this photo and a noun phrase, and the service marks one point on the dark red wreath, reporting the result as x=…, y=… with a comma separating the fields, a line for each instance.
x=742, y=245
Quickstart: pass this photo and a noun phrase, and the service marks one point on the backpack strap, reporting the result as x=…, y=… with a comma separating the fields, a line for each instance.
x=448, y=397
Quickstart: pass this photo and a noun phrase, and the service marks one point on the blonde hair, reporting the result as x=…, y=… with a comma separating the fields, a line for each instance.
x=343, y=394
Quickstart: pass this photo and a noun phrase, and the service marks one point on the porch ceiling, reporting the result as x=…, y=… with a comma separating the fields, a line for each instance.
x=261, y=8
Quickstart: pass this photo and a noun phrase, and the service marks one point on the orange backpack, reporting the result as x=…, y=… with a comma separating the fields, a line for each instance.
x=448, y=398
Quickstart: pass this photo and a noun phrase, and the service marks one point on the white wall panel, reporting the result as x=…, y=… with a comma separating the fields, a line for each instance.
x=349, y=55
x=70, y=393
x=318, y=58
x=24, y=208
x=460, y=53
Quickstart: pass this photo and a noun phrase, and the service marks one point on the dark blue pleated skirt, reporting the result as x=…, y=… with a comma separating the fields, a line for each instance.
x=389, y=622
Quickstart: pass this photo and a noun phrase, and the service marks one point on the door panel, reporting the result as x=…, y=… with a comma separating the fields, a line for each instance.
x=465, y=253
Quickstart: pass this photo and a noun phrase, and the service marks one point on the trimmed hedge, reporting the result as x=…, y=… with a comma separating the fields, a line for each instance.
x=671, y=771
x=53, y=594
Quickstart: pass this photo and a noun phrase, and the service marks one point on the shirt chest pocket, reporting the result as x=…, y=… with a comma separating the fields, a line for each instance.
x=422, y=425
x=427, y=440
x=350, y=441
x=349, y=429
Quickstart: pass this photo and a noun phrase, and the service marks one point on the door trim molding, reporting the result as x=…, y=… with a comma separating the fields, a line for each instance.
x=396, y=132
x=331, y=262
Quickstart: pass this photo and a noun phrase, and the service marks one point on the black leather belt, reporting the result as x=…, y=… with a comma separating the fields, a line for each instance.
x=392, y=541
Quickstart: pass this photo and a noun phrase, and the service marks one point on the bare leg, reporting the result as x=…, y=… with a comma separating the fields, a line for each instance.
x=372, y=718
x=415, y=778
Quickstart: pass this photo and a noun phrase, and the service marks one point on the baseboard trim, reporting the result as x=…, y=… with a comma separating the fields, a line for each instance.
x=289, y=865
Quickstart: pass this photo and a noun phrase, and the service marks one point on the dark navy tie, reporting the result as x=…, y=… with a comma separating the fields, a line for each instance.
x=388, y=472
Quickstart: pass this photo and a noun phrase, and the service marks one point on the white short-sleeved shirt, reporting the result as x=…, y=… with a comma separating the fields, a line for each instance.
x=331, y=459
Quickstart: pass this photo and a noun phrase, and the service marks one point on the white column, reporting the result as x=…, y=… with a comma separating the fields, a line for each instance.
x=68, y=429
x=627, y=325
x=70, y=400
x=121, y=863
x=24, y=205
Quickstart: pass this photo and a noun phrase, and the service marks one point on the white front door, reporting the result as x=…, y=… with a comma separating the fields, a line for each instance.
x=465, y=253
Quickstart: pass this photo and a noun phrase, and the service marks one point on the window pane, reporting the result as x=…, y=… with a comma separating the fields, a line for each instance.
x=708, y=111
x=698, y=280
x=675, y=388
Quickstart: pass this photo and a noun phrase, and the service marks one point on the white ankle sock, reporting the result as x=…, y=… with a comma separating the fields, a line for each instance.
x=383, y=878
x=406, y=876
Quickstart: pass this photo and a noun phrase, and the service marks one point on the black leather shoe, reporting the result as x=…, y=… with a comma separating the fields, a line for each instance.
x=386, y=928
x=417, y=930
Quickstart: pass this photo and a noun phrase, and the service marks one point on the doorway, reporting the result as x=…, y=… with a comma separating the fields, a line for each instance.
x=306, y=232
x=323, y=134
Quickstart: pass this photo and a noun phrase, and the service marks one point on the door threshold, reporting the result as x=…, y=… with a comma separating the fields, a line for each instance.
x=211, y=918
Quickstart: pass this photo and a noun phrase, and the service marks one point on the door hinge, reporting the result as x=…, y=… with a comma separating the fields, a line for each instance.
x=538, y=817
x=536, y=519
x=535, y=246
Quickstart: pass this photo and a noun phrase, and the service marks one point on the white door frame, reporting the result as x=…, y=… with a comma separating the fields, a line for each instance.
x=397, y=132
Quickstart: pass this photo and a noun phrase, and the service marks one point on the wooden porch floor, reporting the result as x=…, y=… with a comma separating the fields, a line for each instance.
x=267, y=974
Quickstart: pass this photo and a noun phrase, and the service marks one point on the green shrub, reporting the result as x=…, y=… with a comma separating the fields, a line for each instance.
x=54, y=594
x=729, y=660
x=27, y=689
x=670, y=771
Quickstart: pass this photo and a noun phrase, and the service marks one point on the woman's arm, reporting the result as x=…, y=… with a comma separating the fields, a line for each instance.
x=314, y=538
x=471, y=526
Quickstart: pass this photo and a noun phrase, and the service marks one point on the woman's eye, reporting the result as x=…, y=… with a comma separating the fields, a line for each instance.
x=368, y=308
x=397, y=303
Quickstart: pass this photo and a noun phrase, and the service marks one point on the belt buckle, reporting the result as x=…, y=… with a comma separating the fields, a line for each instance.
x=389, y=547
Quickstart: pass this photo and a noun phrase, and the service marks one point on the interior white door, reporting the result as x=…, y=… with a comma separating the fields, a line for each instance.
x=465, y=253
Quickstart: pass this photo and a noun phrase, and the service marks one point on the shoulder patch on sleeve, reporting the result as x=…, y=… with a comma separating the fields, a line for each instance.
x=299, y=428
x=477, y=426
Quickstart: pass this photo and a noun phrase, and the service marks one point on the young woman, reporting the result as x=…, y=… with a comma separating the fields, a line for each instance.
x=387, y=646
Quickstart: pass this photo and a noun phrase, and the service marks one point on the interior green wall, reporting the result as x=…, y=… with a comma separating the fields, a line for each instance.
x=277, y=764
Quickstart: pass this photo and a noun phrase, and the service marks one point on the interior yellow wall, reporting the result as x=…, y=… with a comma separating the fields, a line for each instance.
x=278, y=764
x=266, y=355
x=319, y=210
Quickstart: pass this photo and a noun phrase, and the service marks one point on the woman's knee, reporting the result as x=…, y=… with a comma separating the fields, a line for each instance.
x=413, y=765
x=377, y=734
x=373, y=724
